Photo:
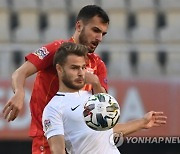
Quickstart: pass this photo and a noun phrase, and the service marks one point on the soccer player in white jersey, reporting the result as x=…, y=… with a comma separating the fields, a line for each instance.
x=62, y=119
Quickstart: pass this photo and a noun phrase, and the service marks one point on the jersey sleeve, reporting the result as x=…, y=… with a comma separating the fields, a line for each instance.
x=42, y=58
x=102, y=74
x=52, y=122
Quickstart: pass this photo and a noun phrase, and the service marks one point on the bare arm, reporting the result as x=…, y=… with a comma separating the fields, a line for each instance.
x=15, y=104
x=151, y=119
x=94, y=81
x=57, y=145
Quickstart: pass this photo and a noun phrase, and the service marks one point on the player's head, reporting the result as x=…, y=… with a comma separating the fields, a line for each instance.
x=91, y=25
x=70, y=62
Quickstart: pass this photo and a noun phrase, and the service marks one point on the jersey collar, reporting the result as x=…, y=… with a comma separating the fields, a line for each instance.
x=72, y=40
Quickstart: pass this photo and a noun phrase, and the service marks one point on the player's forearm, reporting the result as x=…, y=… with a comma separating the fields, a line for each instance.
x=18, y=80
x=94, y=81
x=97, y=88
x=20, y=75
x=129, y=127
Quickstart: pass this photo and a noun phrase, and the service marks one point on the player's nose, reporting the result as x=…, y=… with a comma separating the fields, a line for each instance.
x=99, y=37
x=81, y=71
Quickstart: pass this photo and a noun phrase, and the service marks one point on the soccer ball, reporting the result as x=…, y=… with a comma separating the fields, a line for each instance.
x=101, y=112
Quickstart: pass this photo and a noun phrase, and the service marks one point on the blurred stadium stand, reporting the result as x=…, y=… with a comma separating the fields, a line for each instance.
x=143, y=37
x=140, y=25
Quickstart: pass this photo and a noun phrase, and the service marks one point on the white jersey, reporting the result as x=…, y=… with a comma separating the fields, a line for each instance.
x=64, y=116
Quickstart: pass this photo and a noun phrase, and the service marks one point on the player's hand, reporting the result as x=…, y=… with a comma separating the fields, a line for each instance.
x=154, y=119
x=91, y=78
x=13, y=106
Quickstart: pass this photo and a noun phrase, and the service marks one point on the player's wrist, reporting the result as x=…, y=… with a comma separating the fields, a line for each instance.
x=96, y=81
x=144, y=122
x=19, y=92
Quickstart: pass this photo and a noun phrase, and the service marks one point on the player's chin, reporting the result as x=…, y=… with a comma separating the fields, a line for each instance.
x=79, y=85
x=91, y=50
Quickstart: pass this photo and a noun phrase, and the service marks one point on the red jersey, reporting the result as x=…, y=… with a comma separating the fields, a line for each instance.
x=46, y=83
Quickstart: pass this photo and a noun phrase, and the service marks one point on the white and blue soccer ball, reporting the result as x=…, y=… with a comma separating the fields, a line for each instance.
x=101, y=112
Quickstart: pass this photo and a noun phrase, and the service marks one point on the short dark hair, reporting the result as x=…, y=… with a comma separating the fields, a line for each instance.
x=69, y=48
x=90, y=11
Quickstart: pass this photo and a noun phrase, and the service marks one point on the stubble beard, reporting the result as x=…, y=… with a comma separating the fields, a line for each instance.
x=68, y=83
x=83, y=40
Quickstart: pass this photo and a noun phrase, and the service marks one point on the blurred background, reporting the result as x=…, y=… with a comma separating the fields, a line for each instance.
x=141, y=52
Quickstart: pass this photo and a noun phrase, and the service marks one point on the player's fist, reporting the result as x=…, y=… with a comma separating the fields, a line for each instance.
x=13, y=107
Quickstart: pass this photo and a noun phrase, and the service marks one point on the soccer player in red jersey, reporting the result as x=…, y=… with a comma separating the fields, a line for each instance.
x=91, y=25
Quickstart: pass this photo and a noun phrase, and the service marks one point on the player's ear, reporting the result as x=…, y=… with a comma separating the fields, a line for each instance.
x=59, y=68
x=79, y=26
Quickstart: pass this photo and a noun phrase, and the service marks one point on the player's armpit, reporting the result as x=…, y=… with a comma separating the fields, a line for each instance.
x=57, y=144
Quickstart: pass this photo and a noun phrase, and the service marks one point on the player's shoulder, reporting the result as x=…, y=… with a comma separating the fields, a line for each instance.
x=56, y=102
x=60, y=41
x=51, y=47
x=56, y=42
x=95, y=57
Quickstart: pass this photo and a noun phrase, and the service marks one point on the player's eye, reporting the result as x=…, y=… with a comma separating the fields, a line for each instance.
x=103, y=34
x=96, y=30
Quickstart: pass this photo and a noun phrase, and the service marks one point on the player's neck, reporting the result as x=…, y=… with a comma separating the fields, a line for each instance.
x=68, y=90
x=75, y=38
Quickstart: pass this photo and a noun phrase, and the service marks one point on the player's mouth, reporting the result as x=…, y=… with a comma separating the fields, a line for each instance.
x=93, y=45
x=80, y=80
